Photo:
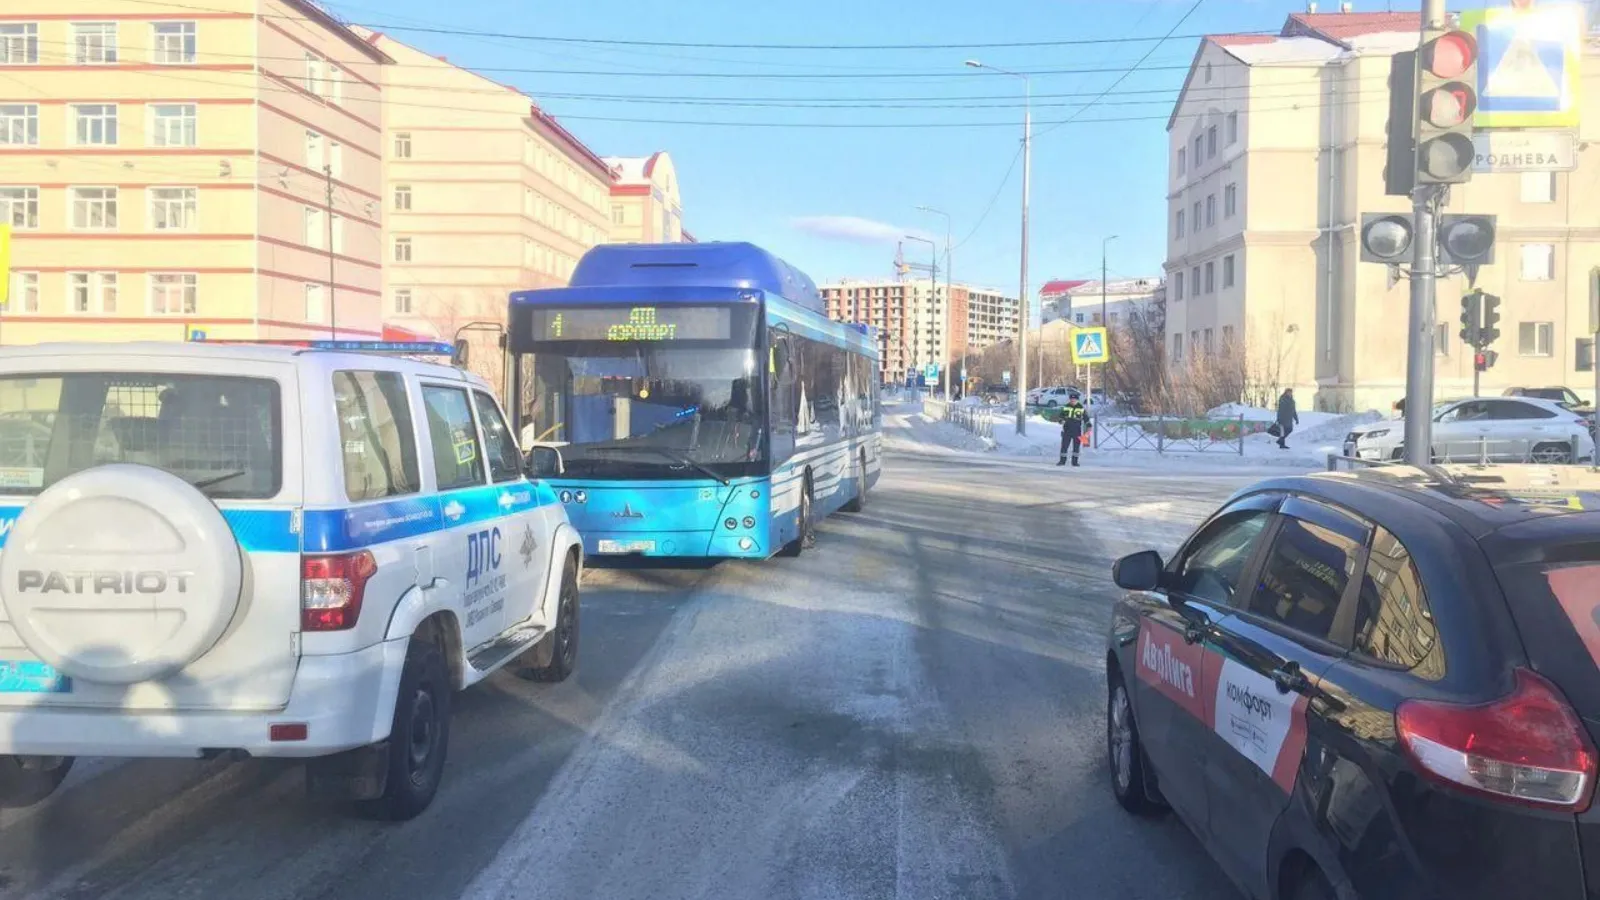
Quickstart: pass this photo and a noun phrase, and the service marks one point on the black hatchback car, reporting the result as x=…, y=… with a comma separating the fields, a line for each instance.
x=1376, y=684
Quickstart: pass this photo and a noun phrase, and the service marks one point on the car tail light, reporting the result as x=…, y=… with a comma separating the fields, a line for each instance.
x=1527, y=748
x=331, y=588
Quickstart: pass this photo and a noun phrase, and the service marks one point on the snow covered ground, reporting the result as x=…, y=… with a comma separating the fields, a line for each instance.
x=908, y=428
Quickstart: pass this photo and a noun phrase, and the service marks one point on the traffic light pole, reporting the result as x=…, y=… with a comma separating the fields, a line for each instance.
x=1419, y=347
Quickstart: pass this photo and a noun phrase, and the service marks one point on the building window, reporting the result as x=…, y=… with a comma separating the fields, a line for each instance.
x=402, y=301
x=402, y=197
x=1195, y=213
x=1077, y=318
x=316, y=303
x=1230, y=201
x=316, y=154
x=1183, y=160
x=336, y=79
x=19, y=207
x=1211, y=277
x=19, y=124
x=92, y=292
x=1177, y=285
x=1208, y=73
x=1538, y=187
x=1538, y=262
x=1177, y=226
x=1211, y=141
x=173, y=293
x=174, y=209
x=1194, y=341
x=1227, y=271
x=1233, y=128
x=1227, y=340
x=316, y=78
x=1177, y=347
x=173, y=125
x=402, y=249
x=336, y=228
x=619, y=214
x=335, y=159
x=1209, y=345
x=94, y=124
x=1194, y=282
x=1441, y=339
x=19, y=44
x=94, y=43
x=1535, y=338
x=24, y=293
x=1211, y=210
x=94, y=209
x=311, y=219
x=1199, y=151
x=1583, y=353
x=174, y=43
x=402, y=145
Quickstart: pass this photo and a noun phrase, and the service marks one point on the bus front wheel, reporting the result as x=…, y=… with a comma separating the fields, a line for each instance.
x=807, y=536
x=859, y=501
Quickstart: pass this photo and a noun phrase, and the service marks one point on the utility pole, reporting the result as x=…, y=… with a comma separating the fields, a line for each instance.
x=948, y=297
x=333, y=305
x=1425, y=201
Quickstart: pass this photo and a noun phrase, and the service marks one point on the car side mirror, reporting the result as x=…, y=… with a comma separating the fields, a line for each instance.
x=545, y=462
x=1138, y=572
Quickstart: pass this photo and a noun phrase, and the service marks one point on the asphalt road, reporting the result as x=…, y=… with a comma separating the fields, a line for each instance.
x=912, y=710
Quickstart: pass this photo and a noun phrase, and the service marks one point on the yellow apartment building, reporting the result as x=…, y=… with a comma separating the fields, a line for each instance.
x=646, y=207
x=1277, y=145
x=485, y=194
x=168, y=167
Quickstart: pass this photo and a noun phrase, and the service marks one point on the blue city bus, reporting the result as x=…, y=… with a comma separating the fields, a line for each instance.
x=701, y=403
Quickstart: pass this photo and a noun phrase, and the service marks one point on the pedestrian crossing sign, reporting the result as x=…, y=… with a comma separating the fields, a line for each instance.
x=1528, y=64
x=1089, y=346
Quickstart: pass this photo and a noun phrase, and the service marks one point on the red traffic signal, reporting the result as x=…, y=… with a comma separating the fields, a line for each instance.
x=1450, y=55
x=1447, y=97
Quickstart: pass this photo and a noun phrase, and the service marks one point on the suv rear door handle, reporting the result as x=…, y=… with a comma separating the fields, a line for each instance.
x=1290, y=679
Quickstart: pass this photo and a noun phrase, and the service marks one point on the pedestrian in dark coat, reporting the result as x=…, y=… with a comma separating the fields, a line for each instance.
x=1074, y=421
x=1288, y=417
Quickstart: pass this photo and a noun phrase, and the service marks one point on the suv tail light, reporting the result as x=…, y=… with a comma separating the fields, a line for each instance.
x=1528, y=747
x=331, y=588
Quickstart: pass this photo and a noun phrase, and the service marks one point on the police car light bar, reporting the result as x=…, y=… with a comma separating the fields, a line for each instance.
x=413, y=348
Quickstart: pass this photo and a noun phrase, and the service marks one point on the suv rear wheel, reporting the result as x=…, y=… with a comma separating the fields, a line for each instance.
x=420, y=736
x=556, y=657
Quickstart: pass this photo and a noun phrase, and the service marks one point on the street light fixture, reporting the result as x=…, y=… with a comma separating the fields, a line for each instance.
x=948, y=298
x=1022, y=292
x=933, y=274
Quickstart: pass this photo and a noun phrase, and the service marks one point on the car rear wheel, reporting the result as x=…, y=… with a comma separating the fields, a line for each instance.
x=1124, y=752
x=1552, y=454
x=419, y=738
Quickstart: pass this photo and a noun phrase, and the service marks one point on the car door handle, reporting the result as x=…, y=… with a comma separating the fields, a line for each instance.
x=1193, y=634
x=1290, y=679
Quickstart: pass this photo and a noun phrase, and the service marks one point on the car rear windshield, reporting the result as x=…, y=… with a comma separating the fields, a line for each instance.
x=219, y=433
x=1556, y=605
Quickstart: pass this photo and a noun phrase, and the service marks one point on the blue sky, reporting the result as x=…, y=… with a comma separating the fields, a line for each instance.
x=834, y=200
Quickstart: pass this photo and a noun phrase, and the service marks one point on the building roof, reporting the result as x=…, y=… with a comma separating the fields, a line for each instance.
x=320, y=16
x=634, y=169
x=560, y=133
x=1341, y=27
x=1120, y=286
x=1057, y=286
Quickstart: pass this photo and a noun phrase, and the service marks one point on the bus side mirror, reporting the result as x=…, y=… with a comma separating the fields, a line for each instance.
x=461, y=354
x=545, y=462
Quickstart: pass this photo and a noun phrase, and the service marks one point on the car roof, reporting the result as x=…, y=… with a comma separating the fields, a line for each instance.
x=245, y=352
x=1481, y=500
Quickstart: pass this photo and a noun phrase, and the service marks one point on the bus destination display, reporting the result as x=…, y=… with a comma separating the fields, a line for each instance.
x=633, y=323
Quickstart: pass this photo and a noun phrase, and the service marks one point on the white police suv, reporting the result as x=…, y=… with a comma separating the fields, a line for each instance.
x=285, y=551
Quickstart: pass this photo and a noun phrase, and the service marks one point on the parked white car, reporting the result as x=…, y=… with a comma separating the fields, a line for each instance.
x=277, y=551
x=1500, y=429
x=1052, y=396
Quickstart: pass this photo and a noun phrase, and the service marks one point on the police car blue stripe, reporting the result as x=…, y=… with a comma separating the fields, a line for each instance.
x=338, y=530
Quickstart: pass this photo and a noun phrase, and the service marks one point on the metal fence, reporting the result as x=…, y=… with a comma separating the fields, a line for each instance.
x=1163, y=434
x=975, y=419
x=1481, y=452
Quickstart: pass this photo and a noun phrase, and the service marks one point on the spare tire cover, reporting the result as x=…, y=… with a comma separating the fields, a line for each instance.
x=120, y=574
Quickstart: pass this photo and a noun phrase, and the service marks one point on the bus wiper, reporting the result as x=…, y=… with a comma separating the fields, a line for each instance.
x=673, y=455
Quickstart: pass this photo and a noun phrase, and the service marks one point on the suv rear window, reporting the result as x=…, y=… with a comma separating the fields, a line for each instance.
x=221, y=433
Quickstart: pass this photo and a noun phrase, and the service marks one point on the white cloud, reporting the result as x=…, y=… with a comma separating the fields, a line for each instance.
x=852, y=228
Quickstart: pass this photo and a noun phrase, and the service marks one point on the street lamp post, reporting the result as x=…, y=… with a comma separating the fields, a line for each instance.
x=1022, y=291
x=948, y=298
x=1104, y=322
x=933, y=272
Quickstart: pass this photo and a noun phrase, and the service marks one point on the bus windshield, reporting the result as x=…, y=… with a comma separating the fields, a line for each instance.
x=630, y=393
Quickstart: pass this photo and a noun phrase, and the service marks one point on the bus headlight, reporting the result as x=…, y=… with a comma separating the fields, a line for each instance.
x=749, y=521
x=731, y=523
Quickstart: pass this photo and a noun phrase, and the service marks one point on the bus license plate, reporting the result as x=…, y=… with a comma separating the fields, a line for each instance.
x=32, y=678
x=627, y=546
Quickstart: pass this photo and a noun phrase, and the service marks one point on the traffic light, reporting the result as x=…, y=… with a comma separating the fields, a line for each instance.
x=1400, y=137
x=1484, y=360
x=1466, y=240
x=1447, y=96
x=1471, y=317
x=1385, y=237
x=1490, y=332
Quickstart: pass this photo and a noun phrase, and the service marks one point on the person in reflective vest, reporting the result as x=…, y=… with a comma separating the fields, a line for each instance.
x=1074, y=424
